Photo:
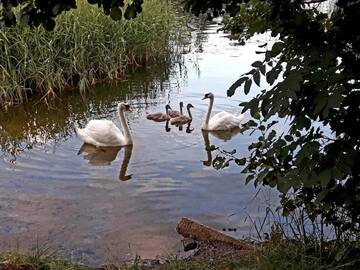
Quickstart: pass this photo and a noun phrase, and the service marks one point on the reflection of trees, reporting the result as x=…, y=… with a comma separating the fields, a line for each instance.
x=102, y=156
x=35, y=123
x=200, y=37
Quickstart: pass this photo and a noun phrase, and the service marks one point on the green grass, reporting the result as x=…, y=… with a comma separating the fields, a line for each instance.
x=273, y=254
x=16, y=261
x=86, y=47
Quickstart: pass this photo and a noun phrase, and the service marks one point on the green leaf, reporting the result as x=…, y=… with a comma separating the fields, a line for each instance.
x=249, y=178
x=116, y=13
x=247, y=86
x=49, y=25
x=257, y=64
x=240, y=161
x=322, y=195
x=256, y=78
x=284, y=186
x=325, y=177
x=218, y=162
x=272, y=135
x=24, y=19
x=277, y=48
x=320, y=103
x=335, y=100
x=251, y=123
x=293, y=80
x=254, y=108
x=272, y=75
x=262, y=69
x=235, y=85
x=262, y=45
x=130, y=12
x=289, y=138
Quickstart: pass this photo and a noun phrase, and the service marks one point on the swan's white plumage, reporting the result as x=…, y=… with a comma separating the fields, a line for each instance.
x=223, y=121
x=103, y=133
x=220, y=121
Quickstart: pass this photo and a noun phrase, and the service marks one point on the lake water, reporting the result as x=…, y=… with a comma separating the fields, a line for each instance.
x=99, y=206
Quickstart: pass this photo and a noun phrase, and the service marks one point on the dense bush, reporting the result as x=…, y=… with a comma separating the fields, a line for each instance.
x=311, y=77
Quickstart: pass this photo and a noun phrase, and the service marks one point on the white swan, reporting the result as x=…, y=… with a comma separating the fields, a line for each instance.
x=220, y=121
x=104, y=133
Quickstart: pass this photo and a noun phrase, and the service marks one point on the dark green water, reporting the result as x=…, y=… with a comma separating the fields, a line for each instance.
x=80, y=205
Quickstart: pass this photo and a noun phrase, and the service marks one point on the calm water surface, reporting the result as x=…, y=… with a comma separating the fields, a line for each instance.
x=97, y=206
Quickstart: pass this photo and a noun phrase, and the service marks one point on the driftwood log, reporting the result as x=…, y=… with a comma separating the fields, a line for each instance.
x=191, y=229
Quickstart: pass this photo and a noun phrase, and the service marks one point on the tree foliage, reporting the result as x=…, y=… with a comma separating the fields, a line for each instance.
x=312, y=75
x=43, y=12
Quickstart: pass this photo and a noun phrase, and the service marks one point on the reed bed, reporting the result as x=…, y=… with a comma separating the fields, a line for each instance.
x=86, y=47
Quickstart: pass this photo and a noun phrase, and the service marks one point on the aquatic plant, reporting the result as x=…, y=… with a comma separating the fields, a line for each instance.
x=85, y=47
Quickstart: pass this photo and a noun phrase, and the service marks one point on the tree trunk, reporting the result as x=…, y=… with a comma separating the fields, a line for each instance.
x=191, y=229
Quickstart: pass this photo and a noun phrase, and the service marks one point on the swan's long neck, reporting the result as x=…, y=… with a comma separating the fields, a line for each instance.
x=207, y=116
x=125, y=126
x=188, y=109
x=181, y=109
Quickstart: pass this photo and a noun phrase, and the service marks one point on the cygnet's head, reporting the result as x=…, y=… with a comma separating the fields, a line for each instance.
x=189, y=106
x=124, y=107
x=181, y=104
x=167, y=107
x=208, y=95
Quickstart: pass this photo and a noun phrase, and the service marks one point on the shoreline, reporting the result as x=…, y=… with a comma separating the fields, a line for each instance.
x=275, y=252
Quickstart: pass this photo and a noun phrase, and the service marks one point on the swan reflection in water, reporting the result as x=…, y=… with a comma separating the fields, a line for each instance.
x=103, y=156
x=221, y=135
x=189, y=129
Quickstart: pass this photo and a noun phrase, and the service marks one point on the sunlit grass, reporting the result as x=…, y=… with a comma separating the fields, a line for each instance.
x=85, y=47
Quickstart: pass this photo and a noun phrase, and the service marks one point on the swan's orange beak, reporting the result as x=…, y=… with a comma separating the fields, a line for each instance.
x=205, y=97
x=130, y=109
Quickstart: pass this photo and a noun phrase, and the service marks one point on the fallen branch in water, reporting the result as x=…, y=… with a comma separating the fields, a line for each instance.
x=191, y=229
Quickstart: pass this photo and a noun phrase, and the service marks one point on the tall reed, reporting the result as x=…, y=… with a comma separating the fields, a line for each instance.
x=85, y=47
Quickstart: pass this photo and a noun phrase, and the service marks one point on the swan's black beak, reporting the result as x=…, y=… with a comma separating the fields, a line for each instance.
x=128, y=108
x=206, y=96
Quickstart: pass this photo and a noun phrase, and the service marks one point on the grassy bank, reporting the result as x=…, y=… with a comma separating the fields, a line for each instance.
x=273, y=254
x=85, y=47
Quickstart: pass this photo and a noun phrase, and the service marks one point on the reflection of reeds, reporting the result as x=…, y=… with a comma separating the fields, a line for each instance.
x=85, y=47
x=36, y=123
